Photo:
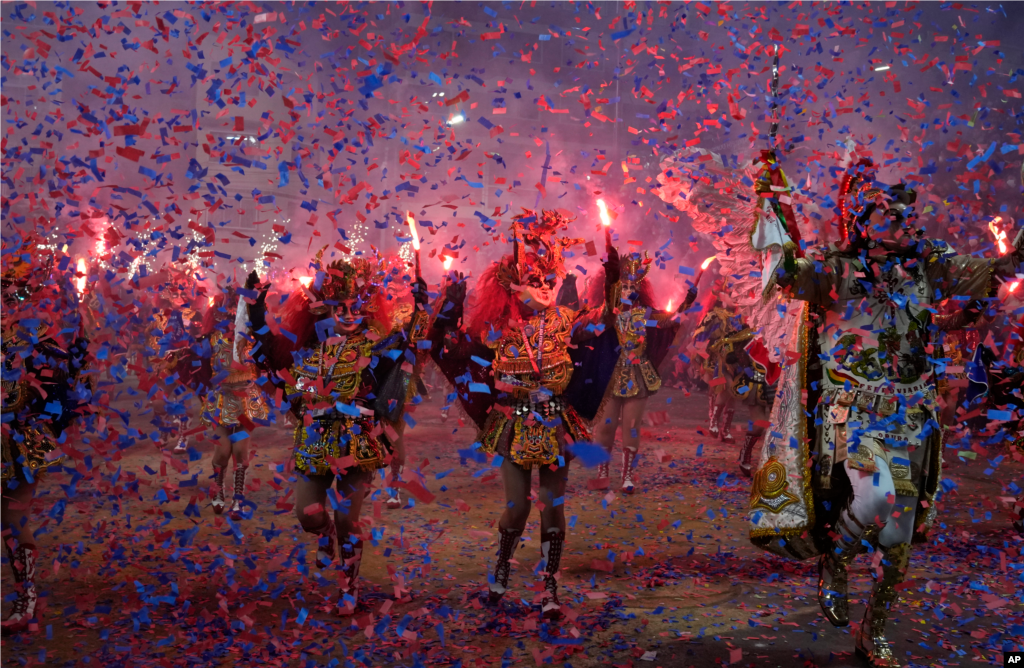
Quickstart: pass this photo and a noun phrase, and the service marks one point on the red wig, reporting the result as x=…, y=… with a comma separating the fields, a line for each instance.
x=214, y=316
x=493, y=302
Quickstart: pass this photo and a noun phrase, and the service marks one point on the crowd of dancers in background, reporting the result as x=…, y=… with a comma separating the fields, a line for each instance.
x=539, y=368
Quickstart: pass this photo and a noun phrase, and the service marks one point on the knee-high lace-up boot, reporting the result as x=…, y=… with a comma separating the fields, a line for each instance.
x=551, y=549
x=23, y=563
x=508, y=541
x=239, y=498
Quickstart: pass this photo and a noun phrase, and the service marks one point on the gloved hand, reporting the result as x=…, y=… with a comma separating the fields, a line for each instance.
x=611, y=266
x=419, y=292
x=691, y=296
x=455, y=298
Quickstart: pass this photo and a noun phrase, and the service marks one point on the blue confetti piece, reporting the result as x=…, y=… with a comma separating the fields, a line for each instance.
x=589, y=454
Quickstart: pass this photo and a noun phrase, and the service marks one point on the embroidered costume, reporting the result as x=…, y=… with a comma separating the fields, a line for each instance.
x=510, y=366
x=860, y=355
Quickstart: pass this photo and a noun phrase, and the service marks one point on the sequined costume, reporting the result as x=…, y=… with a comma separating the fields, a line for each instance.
x=335, y=391
x=510, y=365
x=339, y=364
x=861, y=366
x=30, y=424
x=39, y=399
x=234, y=391
x=635, y=375
x=511, y=429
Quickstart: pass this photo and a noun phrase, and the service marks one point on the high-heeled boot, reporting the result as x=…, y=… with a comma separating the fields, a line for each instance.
x=628, y=471
x=183, y=425
x=714, y=412
x=833, y=567
x=239, y=498
x=747, y=453
x=394, y=501
x=351, y=558
x=508, y=541
x=604, y=469
x=726, y=425
x=551, y=549
x=23, y=563
x=871, y=643
x=218, y=501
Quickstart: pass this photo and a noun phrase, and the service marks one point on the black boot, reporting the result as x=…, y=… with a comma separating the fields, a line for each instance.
x=551, y=549
x=508, y=541
x=351, y=557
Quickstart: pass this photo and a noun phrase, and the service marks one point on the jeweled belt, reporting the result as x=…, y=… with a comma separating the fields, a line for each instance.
x=873, y=402
x=548, y=409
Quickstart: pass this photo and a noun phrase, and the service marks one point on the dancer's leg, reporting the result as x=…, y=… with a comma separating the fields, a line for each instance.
x=516, y=481
x=632, y=414
x=552, y=532
x=21, y=554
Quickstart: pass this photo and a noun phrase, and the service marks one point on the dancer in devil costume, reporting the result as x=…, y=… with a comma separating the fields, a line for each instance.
x=636, y=339
x=871, y=386
x=517, y=330
x=736, y=368
x=39, y=403
x=332, y=348
x=235, y=402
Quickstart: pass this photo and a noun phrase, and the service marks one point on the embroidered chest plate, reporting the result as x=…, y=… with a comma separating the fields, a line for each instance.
x=336, y=363
x=538, y=348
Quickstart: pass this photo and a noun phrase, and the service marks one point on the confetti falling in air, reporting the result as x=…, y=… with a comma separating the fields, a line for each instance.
x=156, y=153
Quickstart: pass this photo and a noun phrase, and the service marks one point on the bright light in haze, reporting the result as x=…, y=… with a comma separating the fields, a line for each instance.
x=306, y=281
x=707, y=263
x=80, y=281
x=448, y=263
x=412, y=228
x=456, y=119
x=669, y=307
x=605, y=219
x=999, y=234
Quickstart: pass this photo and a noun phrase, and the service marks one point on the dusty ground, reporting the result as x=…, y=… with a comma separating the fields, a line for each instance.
x=137, y=570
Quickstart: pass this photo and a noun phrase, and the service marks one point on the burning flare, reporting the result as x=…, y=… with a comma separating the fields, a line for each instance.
x=605, y=220
x=999, y=234
x=80, y=281
x=448, y=262
x=412, y=228
x=306, y=281
x=707, y=263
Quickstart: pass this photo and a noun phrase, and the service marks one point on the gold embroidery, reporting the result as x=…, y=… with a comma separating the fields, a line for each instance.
x=533, y=444
x=770, y=489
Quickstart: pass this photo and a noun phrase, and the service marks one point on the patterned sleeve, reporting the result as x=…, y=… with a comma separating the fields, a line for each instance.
x=813, y=280
x=959, y=275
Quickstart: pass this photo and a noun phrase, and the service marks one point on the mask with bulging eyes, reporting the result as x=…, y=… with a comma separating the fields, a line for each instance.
x=628, y=294
x=347, y=315
x=538, y=292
